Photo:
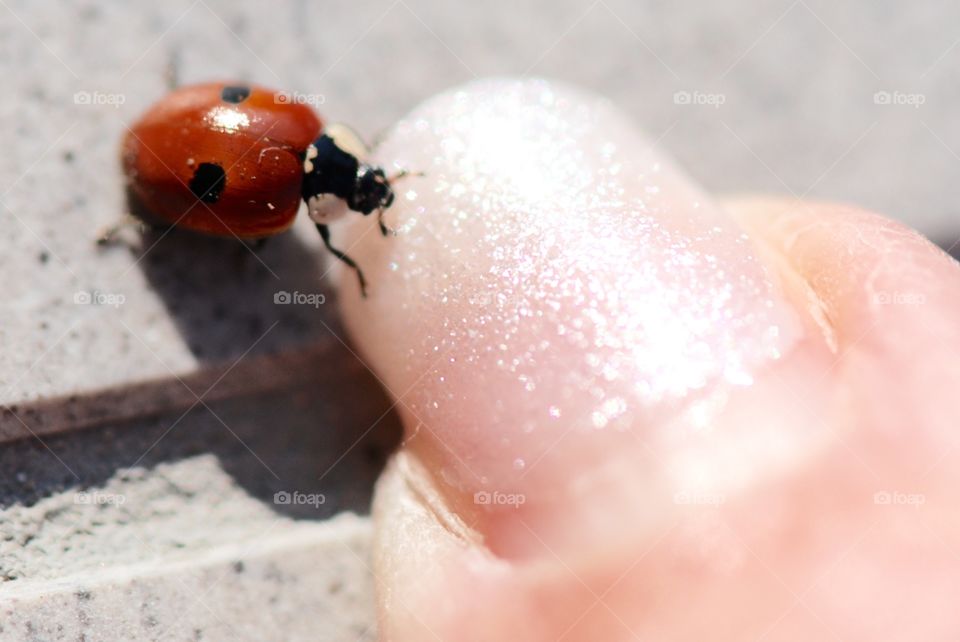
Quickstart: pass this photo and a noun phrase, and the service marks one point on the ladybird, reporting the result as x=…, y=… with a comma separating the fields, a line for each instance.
x=232, y=159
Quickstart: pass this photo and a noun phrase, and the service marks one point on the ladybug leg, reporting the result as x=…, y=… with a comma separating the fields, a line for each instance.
x=255, y=245
x=247, y=249
x=110, y=235
x=171, y=71
x=385, y=229
x=393, y=178
x=325, y=235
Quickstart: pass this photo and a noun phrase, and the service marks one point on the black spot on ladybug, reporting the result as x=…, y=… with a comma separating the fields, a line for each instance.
x=234, y=94
x=208, y=182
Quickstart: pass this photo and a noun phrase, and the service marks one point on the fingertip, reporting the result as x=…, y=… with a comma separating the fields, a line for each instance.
x=557, y=291
x=579, y=342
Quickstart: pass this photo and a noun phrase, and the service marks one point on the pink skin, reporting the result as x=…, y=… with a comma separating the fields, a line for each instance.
x=692, y=421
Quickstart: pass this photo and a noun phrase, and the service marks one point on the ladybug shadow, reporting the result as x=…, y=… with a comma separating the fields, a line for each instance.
x=225, y=296
x=231, y=298
x=263, y=323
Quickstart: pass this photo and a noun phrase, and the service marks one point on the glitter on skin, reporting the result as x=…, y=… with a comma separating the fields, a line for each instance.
x=670, y=302
x=699, y=513
x=569, y=265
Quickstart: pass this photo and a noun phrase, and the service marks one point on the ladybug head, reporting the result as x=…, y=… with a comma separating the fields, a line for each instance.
x=334, y=177
x=372, y=190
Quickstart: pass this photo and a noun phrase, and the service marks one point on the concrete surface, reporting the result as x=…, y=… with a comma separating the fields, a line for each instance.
x=273, y=580
x=777, y=96
x=136, y=530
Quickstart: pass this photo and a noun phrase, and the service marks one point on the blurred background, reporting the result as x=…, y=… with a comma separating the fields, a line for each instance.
x=201, y=399
x=851, y=100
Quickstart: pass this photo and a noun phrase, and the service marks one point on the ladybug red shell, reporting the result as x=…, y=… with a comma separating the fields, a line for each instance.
x=234, y=159
x=222, y=159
